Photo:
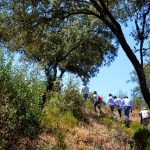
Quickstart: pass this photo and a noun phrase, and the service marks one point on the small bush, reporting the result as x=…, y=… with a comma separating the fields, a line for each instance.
x=108, y=122
x=74, y=102
x=89, y=104
x=60, y=138
x=68, y=120
x=142, y=138
x=51, y=117
x=19, y=109
x=135, y=125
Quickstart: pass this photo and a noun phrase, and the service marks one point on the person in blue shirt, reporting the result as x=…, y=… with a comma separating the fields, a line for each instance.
x=118, y=105
x=111, y=103
x=127, y=106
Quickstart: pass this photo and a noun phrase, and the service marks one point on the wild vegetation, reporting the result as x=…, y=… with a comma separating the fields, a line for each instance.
x=65, y=122
x=68, y=36
x=59, y=33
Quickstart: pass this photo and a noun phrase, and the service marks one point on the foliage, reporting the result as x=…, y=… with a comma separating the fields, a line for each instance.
x=68, y=120
x=63, y=108
x=60, y=136
x=56, y=45
x=71, y=100
x=38, y=23
x=74, y=102
x=142, y=138
x=111, y=15
x=73, y=82
x=107, y=121
x=51, y=117
x=89, y=104
x=138, y=103
x=19, y=104
x=134, y=126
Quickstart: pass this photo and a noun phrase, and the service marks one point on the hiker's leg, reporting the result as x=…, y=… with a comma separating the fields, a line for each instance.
x=126, y=112
x=141, y=120
x=146, y=122
x=95, y=104
x=119, y=111
x=112, y=110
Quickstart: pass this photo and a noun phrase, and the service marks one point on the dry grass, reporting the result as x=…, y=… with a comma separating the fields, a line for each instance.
x=92, y=135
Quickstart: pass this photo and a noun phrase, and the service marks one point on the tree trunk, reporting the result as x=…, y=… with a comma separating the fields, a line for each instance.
x=137, y=66
x=111, y=22
x=49, y=87
x=51, y=78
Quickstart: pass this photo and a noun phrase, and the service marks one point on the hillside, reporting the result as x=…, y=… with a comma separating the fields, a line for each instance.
x=96, y=133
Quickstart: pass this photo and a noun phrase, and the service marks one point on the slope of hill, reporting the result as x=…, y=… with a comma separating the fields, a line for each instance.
x=95, y=133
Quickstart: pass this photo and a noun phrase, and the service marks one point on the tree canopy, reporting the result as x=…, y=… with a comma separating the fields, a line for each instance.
x=77, y=45
x=30, y=18
x=113, y=14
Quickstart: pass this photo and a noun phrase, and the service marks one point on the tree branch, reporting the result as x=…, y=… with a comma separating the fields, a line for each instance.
x=82, y=12
x=110, y=16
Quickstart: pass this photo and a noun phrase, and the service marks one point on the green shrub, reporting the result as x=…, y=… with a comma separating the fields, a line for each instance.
x=74, y=102
x=19, y=110
x=51, y=117
x=69, y=100
x=60, y=138
x=89, y=104
x=135, y=125
x=55, y=99
x=142, y=138
x=107, y=121
x=68, y=120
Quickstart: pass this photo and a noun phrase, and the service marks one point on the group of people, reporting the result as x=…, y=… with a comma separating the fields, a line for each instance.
x=126, y=105
x=116, y=103
x=96, y=98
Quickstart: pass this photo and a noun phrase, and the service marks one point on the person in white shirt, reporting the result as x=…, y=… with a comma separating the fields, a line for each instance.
x=118, y=104
x=145, y=116
x=96, y=101
x=127, y=106
x=111, y=103
x=85, y=91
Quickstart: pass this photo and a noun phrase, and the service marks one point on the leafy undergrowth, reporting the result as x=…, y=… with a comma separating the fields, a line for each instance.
x=96, y=133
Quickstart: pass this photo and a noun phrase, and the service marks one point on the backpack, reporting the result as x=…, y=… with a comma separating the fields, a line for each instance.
x=100, y=98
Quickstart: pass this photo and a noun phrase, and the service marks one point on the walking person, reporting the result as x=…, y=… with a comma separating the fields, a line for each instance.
x=96, y=101
x=111, y=104
x=145, y=116
x=118, y=105
x=85, y=91
x=100, y=99
x=127, y=106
